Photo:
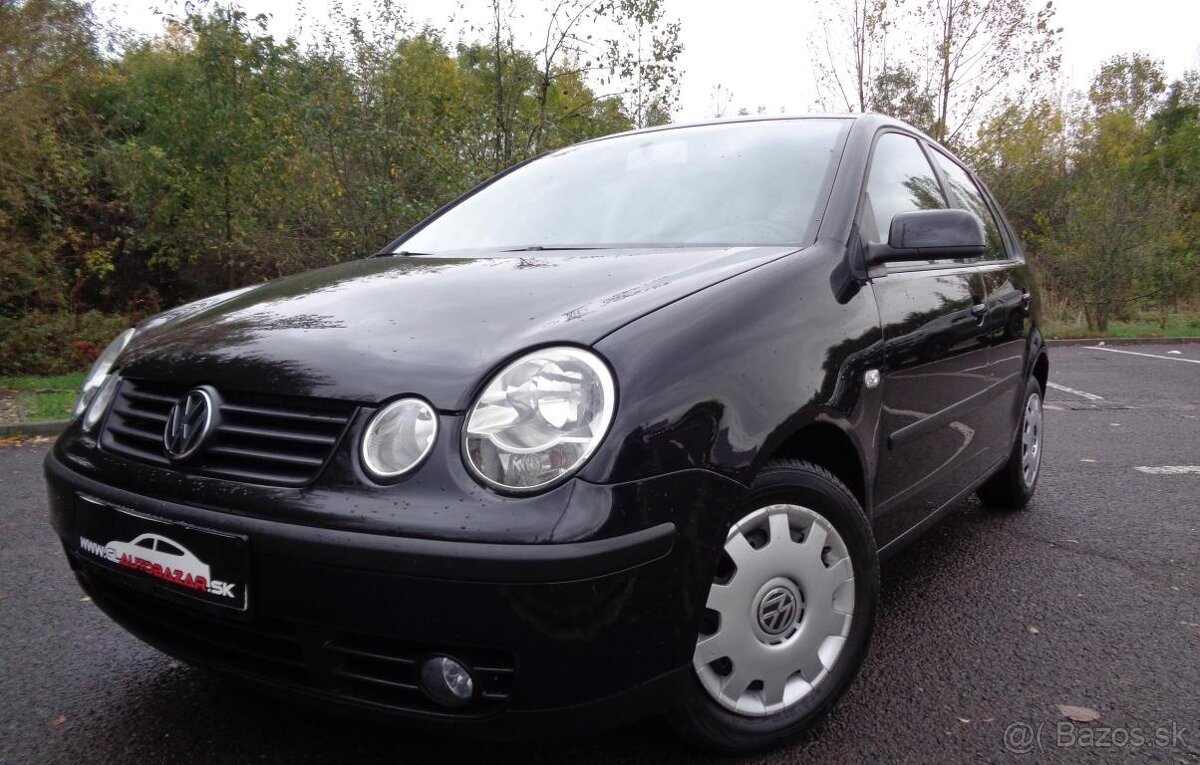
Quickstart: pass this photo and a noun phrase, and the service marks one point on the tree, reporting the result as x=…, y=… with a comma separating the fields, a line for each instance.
x=897, y=92
x=1123, y=232
x=48, y=56
x=978, y=48
x=1132, y=84
x=1105, y=230
x=642, y=58
x=961, y=56
x=619, y=51
x=1022, y=152
x=1173, y=164
x=208, y=115
x=214, y=155
x=720, y=100
x=854, y=60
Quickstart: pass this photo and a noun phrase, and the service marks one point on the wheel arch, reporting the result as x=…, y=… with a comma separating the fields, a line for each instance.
x=830, y=444
x=1041, y=370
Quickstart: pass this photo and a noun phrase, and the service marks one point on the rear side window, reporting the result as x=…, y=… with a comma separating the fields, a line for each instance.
x=900, y=180
x=966, y=195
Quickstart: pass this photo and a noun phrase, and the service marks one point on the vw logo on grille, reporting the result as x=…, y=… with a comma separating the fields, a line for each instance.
x=188, y=424
x=777, y=611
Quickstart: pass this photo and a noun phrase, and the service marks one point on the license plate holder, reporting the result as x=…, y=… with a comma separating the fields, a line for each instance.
x=173, y=557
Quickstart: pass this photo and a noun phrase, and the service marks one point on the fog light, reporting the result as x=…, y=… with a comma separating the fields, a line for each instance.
x=446, y=681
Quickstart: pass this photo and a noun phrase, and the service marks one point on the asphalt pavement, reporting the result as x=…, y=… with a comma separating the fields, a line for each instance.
x=1089, y=598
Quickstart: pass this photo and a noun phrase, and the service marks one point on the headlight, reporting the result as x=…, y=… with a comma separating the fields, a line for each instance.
x=399, y=437
x=539, y=419
x=99, y=371
x=100, y=402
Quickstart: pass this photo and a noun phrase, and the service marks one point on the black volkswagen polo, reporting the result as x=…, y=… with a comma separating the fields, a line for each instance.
x=623, y=431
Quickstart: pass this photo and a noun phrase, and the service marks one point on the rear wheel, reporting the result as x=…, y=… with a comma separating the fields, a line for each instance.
x=1013, y=486
x=788, y=616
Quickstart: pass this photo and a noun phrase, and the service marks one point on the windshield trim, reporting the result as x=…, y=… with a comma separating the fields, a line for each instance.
x=810, y=233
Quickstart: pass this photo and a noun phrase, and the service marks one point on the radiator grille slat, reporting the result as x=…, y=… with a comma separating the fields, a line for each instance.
x=150, y=415
x=263, y=456
x=278, y=413
x=279, y=435
x=274, y=440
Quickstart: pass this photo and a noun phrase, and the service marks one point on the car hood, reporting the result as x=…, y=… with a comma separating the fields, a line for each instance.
x=371, y=329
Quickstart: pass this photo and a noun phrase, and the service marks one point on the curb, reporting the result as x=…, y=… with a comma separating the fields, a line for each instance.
x=1124, y=340
x=44, y=428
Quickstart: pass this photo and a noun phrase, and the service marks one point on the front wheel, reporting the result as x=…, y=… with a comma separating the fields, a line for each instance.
x=1013, y=486
x=789, y=613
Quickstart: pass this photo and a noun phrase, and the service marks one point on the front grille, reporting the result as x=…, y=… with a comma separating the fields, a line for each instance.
x=277, y=440
x=365, y=669
x=265, y=648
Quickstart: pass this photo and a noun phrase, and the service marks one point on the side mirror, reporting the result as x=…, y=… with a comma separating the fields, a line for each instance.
x=930, y=235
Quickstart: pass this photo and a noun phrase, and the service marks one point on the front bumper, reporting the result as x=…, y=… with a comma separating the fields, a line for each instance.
x=562, y=636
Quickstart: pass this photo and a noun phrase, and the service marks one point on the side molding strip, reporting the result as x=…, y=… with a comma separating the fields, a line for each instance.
x=940, y=419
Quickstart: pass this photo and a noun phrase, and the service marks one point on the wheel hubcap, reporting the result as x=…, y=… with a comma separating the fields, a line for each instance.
x=779, y=610
x=1031, y=439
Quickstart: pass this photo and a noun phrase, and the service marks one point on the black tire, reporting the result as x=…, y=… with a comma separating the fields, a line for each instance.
x=705, y=723
x=1008, y=489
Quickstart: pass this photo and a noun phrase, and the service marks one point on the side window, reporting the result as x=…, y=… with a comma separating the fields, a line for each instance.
x=900, y=180
x=967, y=196
x=168, y=548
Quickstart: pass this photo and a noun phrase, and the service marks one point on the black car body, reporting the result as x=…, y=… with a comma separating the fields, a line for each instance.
x=901, y=373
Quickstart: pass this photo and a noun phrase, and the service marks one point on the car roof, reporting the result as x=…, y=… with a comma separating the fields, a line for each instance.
x=870, y=121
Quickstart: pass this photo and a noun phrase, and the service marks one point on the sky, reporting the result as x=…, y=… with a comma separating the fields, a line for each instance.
x=757, y=51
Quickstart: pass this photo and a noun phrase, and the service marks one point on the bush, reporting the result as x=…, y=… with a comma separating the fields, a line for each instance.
x=55, y=343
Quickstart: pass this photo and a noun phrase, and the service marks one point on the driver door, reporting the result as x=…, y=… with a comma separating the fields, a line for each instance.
x=933, y=315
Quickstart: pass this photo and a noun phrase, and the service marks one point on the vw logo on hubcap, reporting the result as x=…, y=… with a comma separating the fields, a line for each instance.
x=777, y=611
x=188, y=424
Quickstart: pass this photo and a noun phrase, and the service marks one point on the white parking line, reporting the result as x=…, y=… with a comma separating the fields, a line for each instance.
x=1084, y=394
x=1136, y=353
x=1170, y=469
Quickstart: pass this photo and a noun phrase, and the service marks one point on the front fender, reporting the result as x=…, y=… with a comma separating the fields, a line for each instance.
x=722, y=378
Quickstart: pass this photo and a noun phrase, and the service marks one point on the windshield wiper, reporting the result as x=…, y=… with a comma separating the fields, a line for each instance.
x=528, y=248
x=550, y=248
x=408, y=254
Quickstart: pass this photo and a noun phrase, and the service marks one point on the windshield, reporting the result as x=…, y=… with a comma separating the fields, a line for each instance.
x=748, y=183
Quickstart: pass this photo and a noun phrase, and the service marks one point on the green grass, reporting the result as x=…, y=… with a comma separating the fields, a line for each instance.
x=1178, y=325
x=55, y=405
x=44, y=398
x=73, y=381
